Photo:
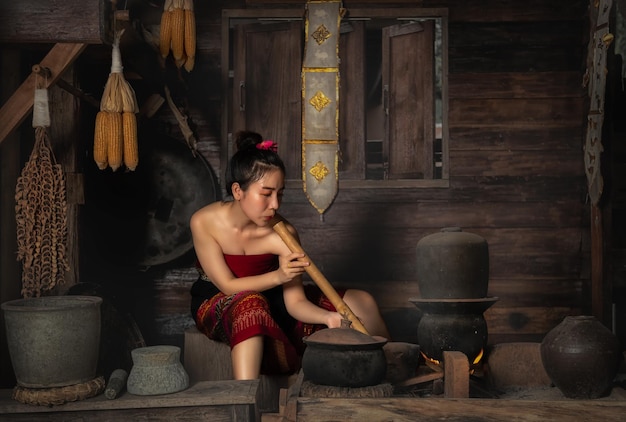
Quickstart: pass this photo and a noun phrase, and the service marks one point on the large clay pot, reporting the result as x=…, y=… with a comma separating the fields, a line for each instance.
x=344, y=357
x=452, y=264
x=53, y=341
x=581, y=356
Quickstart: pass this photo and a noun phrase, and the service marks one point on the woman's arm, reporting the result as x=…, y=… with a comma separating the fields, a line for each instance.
x=211, y=258
x=299, y=306
x=303, y=310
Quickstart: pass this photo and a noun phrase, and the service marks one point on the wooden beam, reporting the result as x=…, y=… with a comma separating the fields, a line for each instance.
x=56, y=21
x=20, y=104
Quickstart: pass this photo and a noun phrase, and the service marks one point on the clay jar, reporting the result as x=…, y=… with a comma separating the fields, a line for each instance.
x=581, y=356
x=452, y=264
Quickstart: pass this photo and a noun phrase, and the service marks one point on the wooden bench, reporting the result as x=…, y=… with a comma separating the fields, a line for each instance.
x=208, y=360
x=216, y=401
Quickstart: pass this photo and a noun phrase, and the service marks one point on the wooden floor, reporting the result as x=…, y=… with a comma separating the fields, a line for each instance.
x=545, y=406
x=221, y=401
x=457, y=410
x=216, y=401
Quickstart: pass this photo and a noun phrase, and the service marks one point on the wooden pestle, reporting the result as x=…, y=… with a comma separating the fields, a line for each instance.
x=317, y=276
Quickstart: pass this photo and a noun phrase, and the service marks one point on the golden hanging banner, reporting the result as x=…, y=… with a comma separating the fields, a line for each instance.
x=320, y=100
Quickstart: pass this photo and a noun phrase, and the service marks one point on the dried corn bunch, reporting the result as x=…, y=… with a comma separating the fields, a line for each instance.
x=178, y=33
x=115, y=135
x=41, y=215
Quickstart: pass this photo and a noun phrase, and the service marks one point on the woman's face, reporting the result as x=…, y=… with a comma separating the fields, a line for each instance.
x=262, y=198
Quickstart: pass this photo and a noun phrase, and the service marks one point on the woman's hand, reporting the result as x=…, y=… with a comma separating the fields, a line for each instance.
x=289, y=267
x=334, y=320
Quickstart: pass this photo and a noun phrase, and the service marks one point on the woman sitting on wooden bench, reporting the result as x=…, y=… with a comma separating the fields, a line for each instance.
x=250, y=293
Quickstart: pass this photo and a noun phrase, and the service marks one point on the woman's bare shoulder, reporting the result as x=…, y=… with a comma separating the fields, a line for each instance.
x=208, y=215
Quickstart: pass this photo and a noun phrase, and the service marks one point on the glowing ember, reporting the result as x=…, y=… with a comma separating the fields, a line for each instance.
x=479, y=357
x=435, y=362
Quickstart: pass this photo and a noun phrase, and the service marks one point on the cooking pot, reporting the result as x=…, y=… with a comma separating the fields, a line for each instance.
x=344, y=357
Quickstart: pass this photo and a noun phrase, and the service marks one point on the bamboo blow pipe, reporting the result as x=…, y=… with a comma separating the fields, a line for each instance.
x=317, y=276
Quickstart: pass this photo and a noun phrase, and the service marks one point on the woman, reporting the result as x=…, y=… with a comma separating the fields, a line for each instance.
x=250, y=292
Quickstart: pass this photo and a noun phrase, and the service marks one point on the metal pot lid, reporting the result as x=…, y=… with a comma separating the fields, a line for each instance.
x=344, y=337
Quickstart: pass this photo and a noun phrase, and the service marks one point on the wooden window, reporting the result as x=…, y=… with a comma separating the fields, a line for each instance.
x=392, y=101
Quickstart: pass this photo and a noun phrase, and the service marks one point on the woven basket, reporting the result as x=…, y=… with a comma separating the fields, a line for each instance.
x=55, y=396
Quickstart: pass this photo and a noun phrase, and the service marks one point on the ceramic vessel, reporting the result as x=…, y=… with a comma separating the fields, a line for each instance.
x=452, y=324
x=157, y=370
x=452, y=264
x=581, y=356
x=53, y=341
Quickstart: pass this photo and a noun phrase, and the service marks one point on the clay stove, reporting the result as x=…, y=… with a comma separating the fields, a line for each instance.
x=453, y=276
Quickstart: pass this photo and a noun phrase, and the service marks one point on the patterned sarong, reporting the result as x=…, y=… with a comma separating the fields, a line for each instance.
x=234, y=318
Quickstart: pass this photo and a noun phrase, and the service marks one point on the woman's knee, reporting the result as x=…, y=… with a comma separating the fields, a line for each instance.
x=360, y=299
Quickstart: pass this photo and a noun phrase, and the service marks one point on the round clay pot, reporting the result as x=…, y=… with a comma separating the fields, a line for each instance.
x=452, y=264
x=581, y=356
x=343, y=357
x=452, y=324
x=53, y=341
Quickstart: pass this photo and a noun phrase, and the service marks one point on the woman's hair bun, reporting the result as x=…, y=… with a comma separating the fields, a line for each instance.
x=247, y=139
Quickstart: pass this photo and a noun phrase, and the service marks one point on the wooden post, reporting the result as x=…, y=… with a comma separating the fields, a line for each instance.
x=456, y=375
x=68, y=151
x=600, y=288
x=10, y=281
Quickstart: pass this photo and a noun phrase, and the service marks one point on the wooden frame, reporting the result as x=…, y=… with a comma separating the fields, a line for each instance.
x=229, y=15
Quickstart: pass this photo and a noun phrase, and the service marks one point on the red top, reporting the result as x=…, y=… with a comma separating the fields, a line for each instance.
x=249, y=265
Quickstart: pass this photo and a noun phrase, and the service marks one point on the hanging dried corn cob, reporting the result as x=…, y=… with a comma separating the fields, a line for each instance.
x=190, y=35
x=178, y=32
x=41, y=211
x=165, y=37
x=116, y=124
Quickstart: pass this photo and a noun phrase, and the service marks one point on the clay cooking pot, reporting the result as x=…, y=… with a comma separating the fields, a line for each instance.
x=344, y=357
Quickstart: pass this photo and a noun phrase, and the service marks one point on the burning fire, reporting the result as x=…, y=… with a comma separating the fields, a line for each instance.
x=436, y=363
x=427, y=359
x=479, y=357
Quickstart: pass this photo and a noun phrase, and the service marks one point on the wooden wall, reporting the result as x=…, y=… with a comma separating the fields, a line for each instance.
x=517, y=116
x=516, y=126
x=516, y=177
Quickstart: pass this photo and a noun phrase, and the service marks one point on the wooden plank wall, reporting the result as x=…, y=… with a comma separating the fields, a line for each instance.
x=516, y=178
x=516, y=114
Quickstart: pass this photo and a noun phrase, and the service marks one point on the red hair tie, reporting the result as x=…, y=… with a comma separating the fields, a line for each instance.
x=268, y=145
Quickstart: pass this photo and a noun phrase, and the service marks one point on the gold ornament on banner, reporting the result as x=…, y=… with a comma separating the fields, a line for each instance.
x=320, y=100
